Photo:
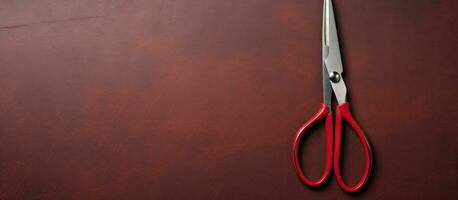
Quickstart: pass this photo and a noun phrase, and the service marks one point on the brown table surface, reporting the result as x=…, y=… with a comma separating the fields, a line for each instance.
x=178, y=99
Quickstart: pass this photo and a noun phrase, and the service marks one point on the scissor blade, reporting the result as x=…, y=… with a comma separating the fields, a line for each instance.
x=333, y=58
x=332, y=61
x=327, y=90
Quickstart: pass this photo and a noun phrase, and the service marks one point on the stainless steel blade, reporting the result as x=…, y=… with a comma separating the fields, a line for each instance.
x=333, y=59
x=331, y=53
x=327, y=90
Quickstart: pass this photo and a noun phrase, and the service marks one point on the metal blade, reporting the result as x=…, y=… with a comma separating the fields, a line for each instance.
x=327, y=90
x=331, y=53
x=333, y=59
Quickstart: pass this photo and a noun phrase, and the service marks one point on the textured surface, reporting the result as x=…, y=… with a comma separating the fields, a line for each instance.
x=178, y=99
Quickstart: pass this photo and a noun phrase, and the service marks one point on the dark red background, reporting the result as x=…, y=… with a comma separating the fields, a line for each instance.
x=180, y=99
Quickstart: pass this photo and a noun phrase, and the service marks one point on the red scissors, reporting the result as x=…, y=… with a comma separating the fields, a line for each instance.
x=332, y=81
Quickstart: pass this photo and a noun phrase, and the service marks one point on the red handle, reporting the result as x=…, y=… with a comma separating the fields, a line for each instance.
x=343, y=111
x=322, y=113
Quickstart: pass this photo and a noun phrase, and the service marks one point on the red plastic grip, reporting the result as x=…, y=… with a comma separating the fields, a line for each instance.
x=343, y=112
x=323, y=112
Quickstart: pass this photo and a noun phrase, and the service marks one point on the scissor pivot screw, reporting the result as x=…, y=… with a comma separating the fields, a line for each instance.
x=334, y=77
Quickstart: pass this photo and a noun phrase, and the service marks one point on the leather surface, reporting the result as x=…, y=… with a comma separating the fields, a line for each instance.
x=137, y=99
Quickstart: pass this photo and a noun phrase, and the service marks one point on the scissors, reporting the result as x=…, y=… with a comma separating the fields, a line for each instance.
x=332, y=82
